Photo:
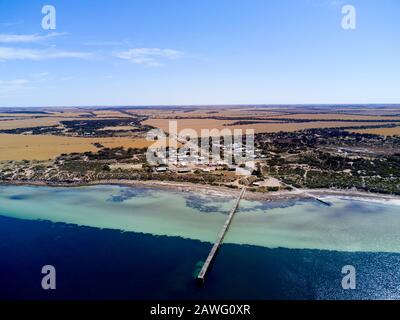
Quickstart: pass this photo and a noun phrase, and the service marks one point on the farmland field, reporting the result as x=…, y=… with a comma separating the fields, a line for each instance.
x=43, y=147
x=380, y=131
x=69, y=130
x=197, y=125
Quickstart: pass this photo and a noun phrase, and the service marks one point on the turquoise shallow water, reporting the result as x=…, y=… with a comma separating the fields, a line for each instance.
x=347, y=225
x=280, y=250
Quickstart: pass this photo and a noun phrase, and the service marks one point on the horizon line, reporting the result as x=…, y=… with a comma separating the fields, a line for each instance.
x=210, y=105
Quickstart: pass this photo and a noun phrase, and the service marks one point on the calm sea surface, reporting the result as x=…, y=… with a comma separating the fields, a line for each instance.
x=115, y=242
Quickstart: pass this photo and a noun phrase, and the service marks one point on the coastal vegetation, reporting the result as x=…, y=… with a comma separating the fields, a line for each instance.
x=313, y=148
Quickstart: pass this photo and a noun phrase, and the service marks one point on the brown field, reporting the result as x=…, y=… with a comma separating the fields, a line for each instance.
x=205, y=113
x=28, y=147
x=34, y=122
x=118, y=128
x=380, y=131
x=290, y=127
x=29, y=123
x=37, y=122
x=21, y=115
x=110, y=114
x=69, y=114
x=44, y=147
x=263, y=114
x=372, y=111
x=197, y=125
x=336, y=116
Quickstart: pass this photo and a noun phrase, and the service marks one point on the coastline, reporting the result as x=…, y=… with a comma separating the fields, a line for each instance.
x=223, y=191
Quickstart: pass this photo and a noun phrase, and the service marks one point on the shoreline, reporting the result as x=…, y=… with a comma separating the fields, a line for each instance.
x=223, y=191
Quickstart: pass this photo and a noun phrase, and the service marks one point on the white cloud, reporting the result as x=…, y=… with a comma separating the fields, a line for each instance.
x=336, y=2
x=7, y=86
x=13, y=85
x=7, y=53
x=16, y=82
x=40, y=75
x=151, y=57
x=27, y=38
x=106, y=43
x=11, y=23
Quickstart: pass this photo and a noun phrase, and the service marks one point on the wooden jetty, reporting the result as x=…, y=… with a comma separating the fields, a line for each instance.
x=325, y=203
x=202, y=274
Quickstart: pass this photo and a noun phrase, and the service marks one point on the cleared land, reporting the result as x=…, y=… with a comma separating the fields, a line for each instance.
x=119, y=122
x=380, y=131
x=34, y=122
x=60, y=114
x=336, y=116
x=204, y=113
x=110, y=114
x=43, y=147
x=197, y=125
x=118, y=128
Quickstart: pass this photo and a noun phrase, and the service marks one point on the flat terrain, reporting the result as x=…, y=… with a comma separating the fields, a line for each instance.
x=45, y=133
x=44, y=147
x=380, y=131
x=296, y=147
x=198, y=124
x=30, y=123
x=277, y=119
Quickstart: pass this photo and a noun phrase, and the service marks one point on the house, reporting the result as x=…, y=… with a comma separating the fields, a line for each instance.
x=250, y=165
x=268, y=183
x=244, y=171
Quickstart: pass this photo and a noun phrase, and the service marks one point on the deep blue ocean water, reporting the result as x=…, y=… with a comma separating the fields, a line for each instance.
x=96, y=263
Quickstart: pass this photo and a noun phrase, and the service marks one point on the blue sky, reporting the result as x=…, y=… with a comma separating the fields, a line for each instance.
x=163, y=52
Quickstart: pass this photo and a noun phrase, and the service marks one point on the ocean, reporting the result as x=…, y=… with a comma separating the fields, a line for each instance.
x=115, y=242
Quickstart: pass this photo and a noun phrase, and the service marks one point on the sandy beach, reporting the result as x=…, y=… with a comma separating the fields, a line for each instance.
x=228, y=192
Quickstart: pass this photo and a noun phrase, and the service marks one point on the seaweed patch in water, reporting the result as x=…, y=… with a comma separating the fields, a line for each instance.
x=205, y=204
x=19, y=197
x=128, y=193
